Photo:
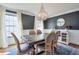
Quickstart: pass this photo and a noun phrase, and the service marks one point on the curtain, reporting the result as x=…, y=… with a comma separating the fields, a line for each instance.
x=38, y=25
x=3, y=41
x=20, y=25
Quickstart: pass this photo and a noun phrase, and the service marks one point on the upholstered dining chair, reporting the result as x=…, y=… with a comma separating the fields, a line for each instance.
x=23, y=48
x=39, y=32
x=50, y=43
x=32, y=32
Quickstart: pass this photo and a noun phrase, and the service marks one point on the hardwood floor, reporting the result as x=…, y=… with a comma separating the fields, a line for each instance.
x=3, y=49
x=74, y=45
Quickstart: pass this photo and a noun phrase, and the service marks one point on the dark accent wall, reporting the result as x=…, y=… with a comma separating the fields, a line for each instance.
x=28, y=21
x=71, y=21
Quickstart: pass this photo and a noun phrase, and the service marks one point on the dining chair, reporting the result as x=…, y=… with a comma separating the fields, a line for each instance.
x=32, y=32
x=23, y=48
x=39, y=32
x=50, y=43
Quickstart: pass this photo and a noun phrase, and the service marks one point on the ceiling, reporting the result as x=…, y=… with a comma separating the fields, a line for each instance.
x=53, y=9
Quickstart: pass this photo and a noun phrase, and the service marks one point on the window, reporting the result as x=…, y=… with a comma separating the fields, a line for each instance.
x=11, y=24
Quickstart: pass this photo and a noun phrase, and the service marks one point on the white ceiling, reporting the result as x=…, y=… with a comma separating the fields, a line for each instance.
x=53, y=9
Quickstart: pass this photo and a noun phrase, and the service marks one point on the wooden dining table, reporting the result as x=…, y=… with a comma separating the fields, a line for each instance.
x=35, y=40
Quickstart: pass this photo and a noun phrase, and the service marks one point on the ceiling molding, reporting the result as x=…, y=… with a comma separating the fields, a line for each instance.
x=70, y=11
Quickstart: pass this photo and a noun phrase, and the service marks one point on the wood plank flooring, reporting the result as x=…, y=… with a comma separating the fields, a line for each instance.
x=3, y=49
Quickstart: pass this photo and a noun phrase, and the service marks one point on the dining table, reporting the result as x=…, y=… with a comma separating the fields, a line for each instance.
x=35, y=40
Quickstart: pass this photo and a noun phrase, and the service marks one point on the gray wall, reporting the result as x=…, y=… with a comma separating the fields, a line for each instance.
x=28, y=21
x=71, y=21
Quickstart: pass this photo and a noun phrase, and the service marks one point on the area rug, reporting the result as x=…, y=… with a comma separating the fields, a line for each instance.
x=11, y=51
x=4, y=53
x=61, y=49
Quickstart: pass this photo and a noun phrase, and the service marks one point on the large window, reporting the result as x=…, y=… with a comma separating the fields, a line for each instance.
x=11, y=24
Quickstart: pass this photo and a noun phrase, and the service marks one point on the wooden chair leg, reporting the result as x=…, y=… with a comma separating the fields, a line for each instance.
x=33, y=51
x=53, y=50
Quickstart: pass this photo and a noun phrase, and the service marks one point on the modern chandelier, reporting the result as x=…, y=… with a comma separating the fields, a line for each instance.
x=42, y=14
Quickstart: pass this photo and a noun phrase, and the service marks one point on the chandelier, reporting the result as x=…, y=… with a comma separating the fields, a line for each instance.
x=42, y=14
